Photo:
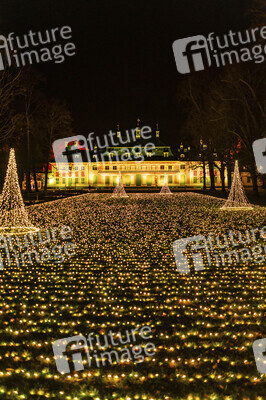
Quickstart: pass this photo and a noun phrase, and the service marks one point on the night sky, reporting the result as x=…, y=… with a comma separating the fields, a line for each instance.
x=124, y=66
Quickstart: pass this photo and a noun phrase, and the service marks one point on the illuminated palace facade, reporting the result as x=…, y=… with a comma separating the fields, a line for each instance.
x=148, y=173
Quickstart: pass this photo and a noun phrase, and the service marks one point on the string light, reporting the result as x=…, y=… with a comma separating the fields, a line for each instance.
x=124, y=276
x=13, y=216
x=165, y=188
x=237, y=198
x=119, y=190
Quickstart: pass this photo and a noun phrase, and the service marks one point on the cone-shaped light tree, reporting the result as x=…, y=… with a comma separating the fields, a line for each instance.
x=119, y=190
x=237, y=198
x=13, y=215
x=165, y=188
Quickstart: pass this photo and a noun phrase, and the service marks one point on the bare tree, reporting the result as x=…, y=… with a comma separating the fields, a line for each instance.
x=54, y=121
x=9, y=116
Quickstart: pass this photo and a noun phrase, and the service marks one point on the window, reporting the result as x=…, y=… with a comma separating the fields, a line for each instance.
x=64, y=180
x=170, y=167
x=57, y=180
x=82, y=168
x=161, y=166
x=107, y=168
x=183, y=166
x=94, y=167
x=114, y=167
x=201, y=179
x=107, y=180
x=195, y=180
x=76, y=180
x=76, y=173
x=82, y=173
x=170, y=179
x=82, y=180
x=76, y=168
x=195, y=173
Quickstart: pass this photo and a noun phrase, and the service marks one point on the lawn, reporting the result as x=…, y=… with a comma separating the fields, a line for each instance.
x=123, y=276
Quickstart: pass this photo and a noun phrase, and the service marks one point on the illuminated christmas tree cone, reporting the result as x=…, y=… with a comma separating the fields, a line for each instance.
x=237, y=199
x=119, y=190
x=13, y=215
x=165, y=188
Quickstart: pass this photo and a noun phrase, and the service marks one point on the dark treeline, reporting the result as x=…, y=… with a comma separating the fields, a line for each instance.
x=30, y=121
x=225, y=112
x=224, y=117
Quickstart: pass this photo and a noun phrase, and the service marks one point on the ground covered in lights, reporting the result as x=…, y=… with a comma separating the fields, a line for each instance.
x=124, y=276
